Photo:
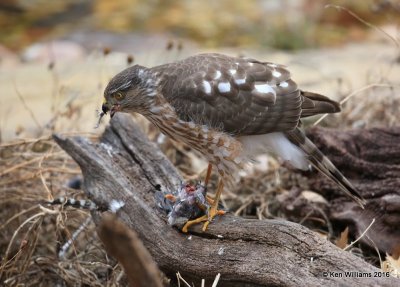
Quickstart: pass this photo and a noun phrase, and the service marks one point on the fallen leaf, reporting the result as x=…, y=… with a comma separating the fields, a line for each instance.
x=344, y=239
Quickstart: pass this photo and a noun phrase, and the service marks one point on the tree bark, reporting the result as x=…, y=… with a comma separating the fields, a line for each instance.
x=371, y=160
x=124, y=165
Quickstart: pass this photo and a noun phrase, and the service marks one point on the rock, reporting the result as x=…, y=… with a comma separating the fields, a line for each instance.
x=8, y=58
x=53, y=51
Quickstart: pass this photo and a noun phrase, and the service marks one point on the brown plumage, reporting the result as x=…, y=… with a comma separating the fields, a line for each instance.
x=230, y=109
x=242, y=110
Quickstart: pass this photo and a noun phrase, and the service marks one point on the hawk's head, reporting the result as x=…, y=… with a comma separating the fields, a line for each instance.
x=130, y=91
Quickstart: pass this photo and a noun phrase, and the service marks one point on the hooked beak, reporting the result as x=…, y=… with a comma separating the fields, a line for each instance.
x=113, y=110
x=104, y=108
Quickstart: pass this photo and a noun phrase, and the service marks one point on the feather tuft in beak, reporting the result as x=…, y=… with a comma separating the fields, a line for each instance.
x=104, y=108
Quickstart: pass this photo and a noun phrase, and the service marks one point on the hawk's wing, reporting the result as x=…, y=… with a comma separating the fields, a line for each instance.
x=236, y=95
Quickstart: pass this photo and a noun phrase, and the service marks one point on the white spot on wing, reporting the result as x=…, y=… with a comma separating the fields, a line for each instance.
x=224, y=87
x=240, y=81
x=232, y=71
x=276, y=74
x=206, y=87
x=273, y=65
x=156, y=110
x=264, y=89
x=217, y=75
x=284, y=84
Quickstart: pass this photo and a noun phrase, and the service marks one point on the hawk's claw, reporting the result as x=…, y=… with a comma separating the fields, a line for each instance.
x=170, y=197
x=213, y=212
x=185, y=228
x=207, y=218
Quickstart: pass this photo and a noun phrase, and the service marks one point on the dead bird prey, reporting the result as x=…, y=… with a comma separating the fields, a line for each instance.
x=188, y=202
x=229, y=109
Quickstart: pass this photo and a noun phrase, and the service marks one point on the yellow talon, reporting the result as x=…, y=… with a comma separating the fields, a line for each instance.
x=213, y=210
x=213, y=213
x=193, y=222
x=170, y=197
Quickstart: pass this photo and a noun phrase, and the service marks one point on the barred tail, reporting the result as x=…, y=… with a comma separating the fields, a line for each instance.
x=314, y=104
x=323, y=164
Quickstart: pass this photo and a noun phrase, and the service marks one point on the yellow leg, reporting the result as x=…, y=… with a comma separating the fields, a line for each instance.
x=214, y=207
x=193, y=222
x=209, y=199
x=208, y=174
x=211, y=214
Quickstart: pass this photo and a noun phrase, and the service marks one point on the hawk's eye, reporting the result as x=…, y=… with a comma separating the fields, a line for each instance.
x=119, y=96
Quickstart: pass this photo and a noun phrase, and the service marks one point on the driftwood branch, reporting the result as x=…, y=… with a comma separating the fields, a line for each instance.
x=126, y=166
x=371, y=160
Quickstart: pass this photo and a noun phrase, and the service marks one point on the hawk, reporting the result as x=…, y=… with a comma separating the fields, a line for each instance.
x=229, y=109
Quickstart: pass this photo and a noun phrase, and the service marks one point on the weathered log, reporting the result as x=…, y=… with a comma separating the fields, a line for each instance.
x=371, y=160
x=126, y=166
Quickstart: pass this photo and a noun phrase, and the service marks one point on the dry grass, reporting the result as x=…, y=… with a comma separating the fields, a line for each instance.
x=31, y=235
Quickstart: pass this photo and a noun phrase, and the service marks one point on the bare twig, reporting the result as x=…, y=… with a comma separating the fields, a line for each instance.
x=361, y=236
x=338, y=7
x=180, y=278
x=352, y=94
x=21, y=98
x=215, y=283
